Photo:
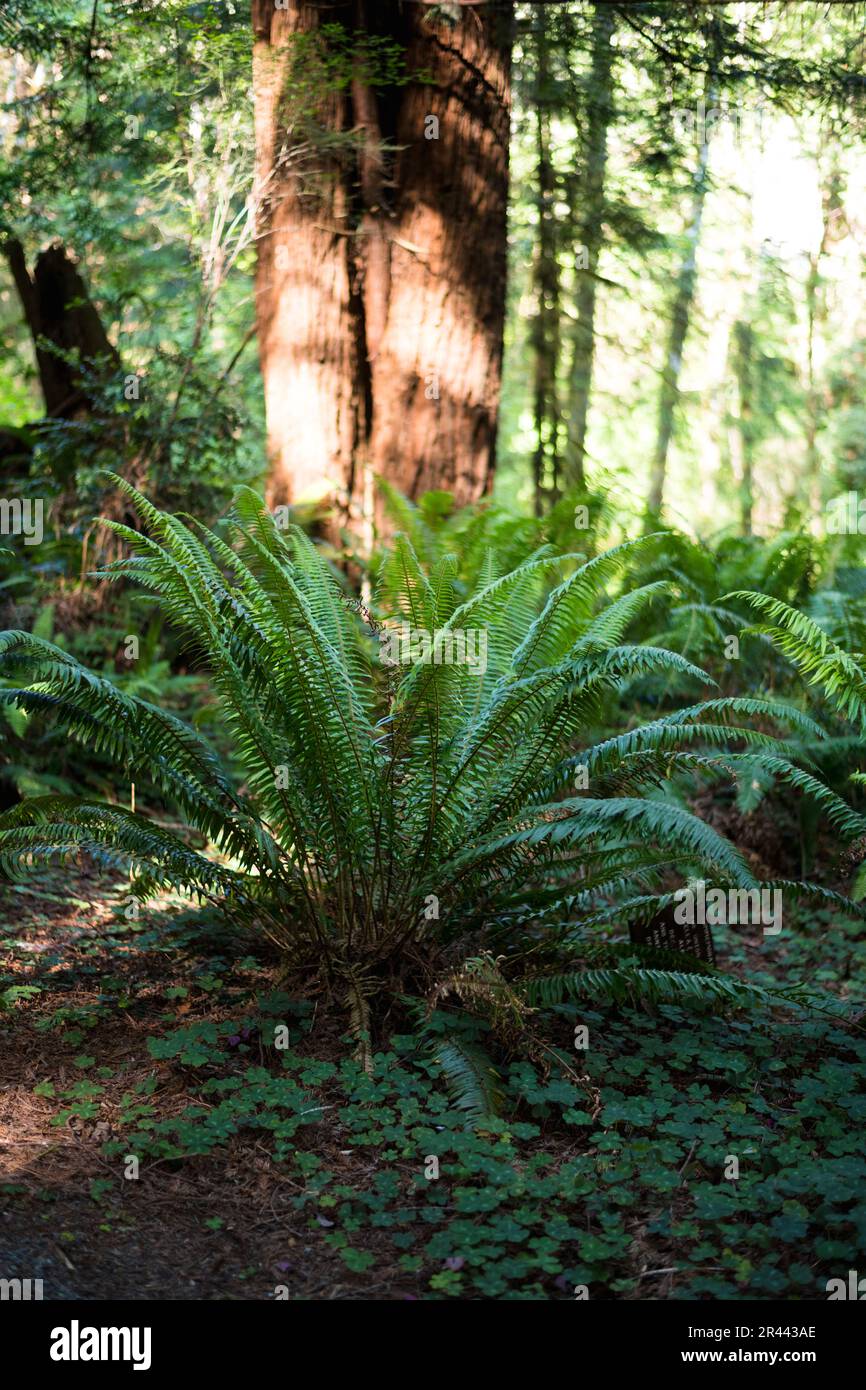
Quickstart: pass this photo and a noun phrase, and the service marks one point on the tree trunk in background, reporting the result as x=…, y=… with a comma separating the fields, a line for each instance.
x=743, y=355
x=447, y=241
x=679, y=325
x=306, y=301
x=832, y=212
x=381, y=322
x=591, y=192
x=545, y=335
x=57, y=308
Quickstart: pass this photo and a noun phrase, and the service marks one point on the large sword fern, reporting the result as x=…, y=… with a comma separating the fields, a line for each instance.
x=371, y=816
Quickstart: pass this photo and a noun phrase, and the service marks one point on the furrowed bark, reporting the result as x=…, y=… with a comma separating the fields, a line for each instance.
x=381, y=321
x=436, y=378
x=305, y=298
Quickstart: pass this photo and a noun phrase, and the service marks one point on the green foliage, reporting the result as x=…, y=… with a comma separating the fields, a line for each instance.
x=633, y=1132
x=472, y=1081
x=821, y=660
x=13, y=993
x=544, y=1196
x=371, y=813
x=637, y=984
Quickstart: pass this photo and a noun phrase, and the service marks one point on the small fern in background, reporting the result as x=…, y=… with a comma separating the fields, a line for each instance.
x=840, y=674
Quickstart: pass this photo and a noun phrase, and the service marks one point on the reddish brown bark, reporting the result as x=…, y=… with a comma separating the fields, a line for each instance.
x=381, y=331
x=304, y=293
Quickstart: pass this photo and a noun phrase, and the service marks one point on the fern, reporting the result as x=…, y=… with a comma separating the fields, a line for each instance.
x=638, y=985
x=470, y=1077
x=368, y=816
x=808, y=647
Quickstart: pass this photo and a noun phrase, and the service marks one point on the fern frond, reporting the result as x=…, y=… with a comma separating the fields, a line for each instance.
x=470, y=1076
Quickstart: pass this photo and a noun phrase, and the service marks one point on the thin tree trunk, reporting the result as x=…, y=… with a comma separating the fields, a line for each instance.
x=679, y=325
x=744, y=352
x=812, y=397
x=545, y=336
x=381, y=326
x=591, y=190
x=832, y=210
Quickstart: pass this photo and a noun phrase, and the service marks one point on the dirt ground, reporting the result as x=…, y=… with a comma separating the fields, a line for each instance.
x=151, y=1242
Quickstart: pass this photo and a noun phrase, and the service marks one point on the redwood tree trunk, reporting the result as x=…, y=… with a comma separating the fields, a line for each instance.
x=381, y=324
x=304, y=284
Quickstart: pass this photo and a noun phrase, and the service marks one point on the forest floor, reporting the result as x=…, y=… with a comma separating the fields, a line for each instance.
x=267, y=1173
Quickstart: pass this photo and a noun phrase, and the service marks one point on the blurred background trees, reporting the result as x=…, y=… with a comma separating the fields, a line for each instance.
x=682, y=231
